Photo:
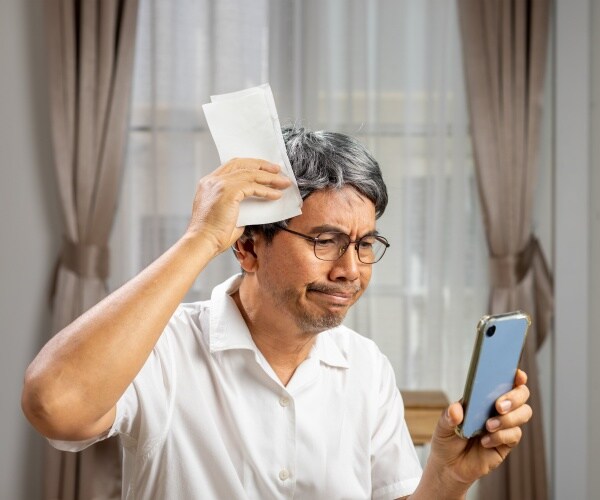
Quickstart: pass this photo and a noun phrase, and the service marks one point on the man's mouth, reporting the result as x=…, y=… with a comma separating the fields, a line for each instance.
x=337, y=295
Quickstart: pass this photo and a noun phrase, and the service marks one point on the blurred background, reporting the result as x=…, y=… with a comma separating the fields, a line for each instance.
x=391, y=73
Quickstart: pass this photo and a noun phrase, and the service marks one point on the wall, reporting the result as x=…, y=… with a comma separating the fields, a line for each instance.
x=594, y=338
x=572, y=384
x=29, y=216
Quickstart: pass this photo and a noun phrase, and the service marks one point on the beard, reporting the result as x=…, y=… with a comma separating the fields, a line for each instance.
x=307, y=320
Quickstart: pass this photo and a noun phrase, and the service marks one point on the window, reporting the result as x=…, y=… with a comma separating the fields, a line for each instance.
x=387, y=72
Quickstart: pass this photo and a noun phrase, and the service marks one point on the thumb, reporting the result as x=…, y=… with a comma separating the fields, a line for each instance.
x=449, y=420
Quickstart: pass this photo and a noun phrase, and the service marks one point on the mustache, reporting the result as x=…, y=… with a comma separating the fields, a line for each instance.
x=319, y=287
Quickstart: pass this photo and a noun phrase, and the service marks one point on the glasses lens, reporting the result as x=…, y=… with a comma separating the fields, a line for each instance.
x=331, y=246
x=370, y=249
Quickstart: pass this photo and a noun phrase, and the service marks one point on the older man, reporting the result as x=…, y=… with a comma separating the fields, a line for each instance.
x=260, y=392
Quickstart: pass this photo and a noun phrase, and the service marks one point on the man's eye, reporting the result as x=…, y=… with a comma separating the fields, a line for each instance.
x=366, y=244
x=326, y=242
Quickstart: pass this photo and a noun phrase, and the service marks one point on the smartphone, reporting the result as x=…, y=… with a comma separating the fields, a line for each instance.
x=498, y=348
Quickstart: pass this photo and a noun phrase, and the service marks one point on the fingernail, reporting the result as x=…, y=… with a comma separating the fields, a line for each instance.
x=493, y=423
x=505, y=405
x=485, y=440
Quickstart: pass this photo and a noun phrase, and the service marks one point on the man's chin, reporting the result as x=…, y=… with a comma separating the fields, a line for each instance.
x=317, y=324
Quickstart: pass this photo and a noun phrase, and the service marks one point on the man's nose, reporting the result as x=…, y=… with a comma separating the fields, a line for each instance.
x=347, y=267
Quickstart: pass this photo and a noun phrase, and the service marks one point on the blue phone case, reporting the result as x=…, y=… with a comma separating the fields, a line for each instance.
x=498, y=348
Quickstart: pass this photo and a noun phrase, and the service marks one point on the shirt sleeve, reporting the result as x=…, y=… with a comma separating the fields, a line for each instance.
x=395, y=467
x=143, y=411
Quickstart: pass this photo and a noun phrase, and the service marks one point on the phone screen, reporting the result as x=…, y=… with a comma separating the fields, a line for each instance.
x=498, y=348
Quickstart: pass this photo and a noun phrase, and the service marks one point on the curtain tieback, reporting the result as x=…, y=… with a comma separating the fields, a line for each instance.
x=86, y=261
x=508, y=271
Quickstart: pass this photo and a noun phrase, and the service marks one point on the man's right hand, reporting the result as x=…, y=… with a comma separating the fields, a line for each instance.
x=219, y=194
x=102, y=351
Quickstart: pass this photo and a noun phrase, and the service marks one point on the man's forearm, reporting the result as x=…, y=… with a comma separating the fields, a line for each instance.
x=83, y=370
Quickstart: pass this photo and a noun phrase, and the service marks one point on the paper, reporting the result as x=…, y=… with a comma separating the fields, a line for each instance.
x=245, y=125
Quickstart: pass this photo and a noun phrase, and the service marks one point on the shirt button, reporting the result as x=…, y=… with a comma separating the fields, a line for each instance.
x=284, y=474
x=283, y=401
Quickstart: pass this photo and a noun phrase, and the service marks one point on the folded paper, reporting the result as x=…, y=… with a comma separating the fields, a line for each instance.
x=244, y=124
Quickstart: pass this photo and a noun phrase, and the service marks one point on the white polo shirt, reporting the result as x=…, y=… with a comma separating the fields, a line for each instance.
x=207, y=418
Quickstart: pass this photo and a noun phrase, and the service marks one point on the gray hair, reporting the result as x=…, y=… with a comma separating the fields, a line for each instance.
x=329, y=160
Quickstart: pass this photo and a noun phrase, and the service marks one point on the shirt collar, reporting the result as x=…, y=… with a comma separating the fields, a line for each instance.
x=228, y=330
x=327, y=350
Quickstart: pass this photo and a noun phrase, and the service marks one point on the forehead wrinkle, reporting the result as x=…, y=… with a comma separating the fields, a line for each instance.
x=344, y=210
x=326, y=228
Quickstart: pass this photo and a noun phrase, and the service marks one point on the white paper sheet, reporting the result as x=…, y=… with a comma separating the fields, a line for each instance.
x=244, y=124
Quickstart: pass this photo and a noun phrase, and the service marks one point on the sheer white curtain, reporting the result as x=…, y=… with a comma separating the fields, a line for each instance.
x=186, y=51
x=388, y=72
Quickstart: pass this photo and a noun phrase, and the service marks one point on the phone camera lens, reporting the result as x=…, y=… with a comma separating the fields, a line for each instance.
x=490, y=331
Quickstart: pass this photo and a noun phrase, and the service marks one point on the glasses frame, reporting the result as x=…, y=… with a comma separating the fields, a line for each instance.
x=315, y=240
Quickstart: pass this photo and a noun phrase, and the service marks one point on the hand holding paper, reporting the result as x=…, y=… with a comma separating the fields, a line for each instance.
x=245, y=125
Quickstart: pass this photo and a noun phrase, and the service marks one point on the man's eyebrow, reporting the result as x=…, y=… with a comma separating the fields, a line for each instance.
x=328, y=228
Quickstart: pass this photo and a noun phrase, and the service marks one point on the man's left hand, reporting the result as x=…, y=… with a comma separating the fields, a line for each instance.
x=461, y=462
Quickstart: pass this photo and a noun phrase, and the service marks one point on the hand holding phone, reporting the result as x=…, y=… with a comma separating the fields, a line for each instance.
x=498, y=347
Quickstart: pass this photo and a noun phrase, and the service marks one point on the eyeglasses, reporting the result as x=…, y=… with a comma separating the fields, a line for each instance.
x=332, y=245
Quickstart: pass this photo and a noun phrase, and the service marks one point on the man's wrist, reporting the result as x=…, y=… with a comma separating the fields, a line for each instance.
x=438, y=482
x=201, y=244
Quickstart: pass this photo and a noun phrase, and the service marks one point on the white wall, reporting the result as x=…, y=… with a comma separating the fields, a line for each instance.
x=572, y=385
x=594, y=339
x=28, y=220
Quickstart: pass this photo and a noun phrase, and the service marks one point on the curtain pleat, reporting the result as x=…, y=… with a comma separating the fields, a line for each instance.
x=504, y=47
x=90, y=49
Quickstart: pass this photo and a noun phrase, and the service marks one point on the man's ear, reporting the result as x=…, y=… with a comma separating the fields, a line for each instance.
x=245, y=254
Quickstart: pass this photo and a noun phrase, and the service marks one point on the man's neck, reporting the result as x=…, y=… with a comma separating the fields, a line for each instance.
x=280, y=341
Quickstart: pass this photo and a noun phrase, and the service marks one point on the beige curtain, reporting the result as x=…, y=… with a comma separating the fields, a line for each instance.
x=504, y=46
x=90, y=51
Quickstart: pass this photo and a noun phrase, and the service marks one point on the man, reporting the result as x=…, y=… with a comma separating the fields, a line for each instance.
x=259, y=392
